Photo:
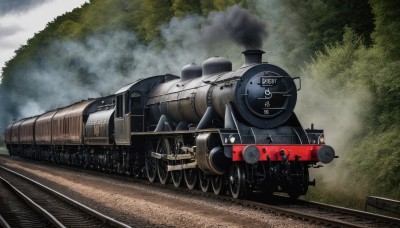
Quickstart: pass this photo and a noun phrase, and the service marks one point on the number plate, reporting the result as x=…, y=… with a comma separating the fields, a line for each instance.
x=268, y=81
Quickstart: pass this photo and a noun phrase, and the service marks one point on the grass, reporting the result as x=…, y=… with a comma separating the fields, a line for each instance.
x=3, y=150
x=336, y=198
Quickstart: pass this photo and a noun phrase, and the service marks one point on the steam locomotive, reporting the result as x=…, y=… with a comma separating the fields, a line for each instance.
x=223, y=130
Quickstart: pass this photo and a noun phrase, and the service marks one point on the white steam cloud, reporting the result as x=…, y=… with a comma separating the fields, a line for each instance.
x=339, y=113
x=101, y=57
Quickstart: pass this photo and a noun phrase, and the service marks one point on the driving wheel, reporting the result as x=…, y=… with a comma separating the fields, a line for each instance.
x=204, y=180
x=190, y=176
x=162, y=164
x=151, y=163
x=237, y=181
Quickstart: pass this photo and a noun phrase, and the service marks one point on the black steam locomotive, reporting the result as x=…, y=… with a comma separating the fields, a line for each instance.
x=212, y=127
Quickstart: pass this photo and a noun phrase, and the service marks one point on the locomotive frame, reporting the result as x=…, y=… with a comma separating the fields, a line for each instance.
x=211, y=127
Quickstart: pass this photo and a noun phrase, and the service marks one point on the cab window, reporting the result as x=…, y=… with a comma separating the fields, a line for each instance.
x=136, y=103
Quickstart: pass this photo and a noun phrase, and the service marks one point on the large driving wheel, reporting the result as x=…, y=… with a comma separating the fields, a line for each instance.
x=177, y=175
x=237, y=181
x=190, y=178
x=217, y=184
x=151, y=163
x=204, y=180
x=162, y=164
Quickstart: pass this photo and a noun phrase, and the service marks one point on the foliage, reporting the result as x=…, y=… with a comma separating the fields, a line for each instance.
x=152, y=14
x=387, y=27
x=323, y=22
x=350, y=66
x=2, y=142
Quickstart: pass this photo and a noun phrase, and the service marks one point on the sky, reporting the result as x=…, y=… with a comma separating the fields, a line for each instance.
x=21, y=19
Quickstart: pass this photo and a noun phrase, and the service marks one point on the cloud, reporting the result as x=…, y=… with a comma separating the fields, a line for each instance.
x=9, y=30
x=18, y=6
x=6, y=37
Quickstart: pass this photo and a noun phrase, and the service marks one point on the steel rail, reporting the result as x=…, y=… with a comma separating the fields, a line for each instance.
x=3, y=223
x=279, y=210
x=33, y=205
x=104, y=218
x=282, y=209
x=349, y=211
x=276, y=209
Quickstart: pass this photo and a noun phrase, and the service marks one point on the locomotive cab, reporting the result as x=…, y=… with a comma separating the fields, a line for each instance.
x=130, y=110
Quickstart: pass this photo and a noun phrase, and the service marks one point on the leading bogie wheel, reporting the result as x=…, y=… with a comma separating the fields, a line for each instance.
x=237, y=181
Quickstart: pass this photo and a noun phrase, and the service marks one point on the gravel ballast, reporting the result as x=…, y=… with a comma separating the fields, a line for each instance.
x=138, y=204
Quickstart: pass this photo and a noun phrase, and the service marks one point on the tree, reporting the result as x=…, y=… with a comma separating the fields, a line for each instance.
x=387, y=27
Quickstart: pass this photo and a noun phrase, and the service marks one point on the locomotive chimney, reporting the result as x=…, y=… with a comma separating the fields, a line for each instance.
x=252, y=57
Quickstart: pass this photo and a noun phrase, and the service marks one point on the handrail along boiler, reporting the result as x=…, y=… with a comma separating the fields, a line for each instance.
x=213, y=126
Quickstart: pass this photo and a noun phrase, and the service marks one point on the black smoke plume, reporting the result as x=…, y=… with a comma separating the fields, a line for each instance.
x=236, y=24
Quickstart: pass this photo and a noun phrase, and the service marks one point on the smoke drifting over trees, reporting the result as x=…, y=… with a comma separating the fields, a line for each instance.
x=101, y=63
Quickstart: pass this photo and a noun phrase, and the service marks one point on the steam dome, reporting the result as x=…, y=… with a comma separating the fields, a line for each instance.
x=190, y=71
x=216, y=65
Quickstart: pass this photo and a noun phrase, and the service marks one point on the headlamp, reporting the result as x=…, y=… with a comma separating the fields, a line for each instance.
x=322, y=139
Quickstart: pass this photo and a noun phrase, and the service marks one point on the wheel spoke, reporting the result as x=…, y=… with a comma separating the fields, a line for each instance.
x=190, y=178
x=204, y=180
x=177, y=177
x=218, y=184
x=237, y=181
x=162, y=165
x=151, y=167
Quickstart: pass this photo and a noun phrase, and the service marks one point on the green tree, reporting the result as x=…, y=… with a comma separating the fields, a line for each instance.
x=387, y=27
x=323, y=22
x=150, y=16
x=184, y=7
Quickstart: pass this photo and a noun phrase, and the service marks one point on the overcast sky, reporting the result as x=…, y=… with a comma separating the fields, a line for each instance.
x=21, y=19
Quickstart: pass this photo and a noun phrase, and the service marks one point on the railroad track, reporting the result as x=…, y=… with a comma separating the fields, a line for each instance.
x=15, y=212
x=313, y=212
x=35, y=205
x=346, y=216
x=323, y=214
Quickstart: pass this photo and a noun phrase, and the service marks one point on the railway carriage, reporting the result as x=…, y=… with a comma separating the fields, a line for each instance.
x=7, y=137
x=13, y=131
x=220, y=129
x=27, y=137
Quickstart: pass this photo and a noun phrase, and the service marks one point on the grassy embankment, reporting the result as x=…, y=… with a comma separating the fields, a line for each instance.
x=3, y=150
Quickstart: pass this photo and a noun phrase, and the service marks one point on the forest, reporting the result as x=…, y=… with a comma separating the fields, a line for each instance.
x=347, y=53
